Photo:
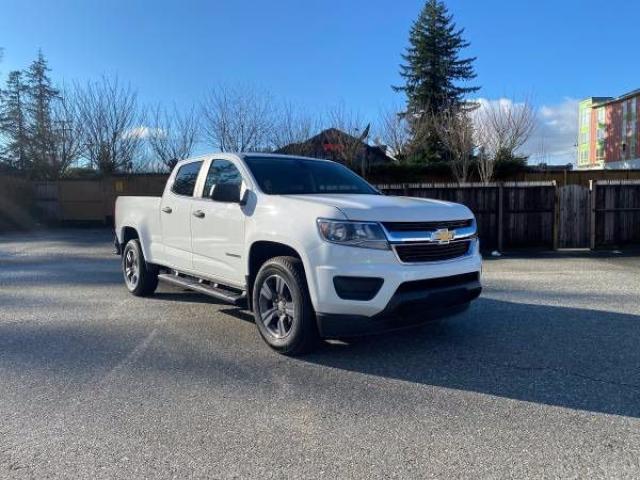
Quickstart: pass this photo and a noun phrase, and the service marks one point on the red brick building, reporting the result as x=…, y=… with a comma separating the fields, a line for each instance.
x=608, y=132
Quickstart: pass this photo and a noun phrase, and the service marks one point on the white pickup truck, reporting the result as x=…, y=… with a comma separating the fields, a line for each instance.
x=307, y=245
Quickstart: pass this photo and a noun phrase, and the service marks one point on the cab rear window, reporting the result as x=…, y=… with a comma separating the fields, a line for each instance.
x=185, y=182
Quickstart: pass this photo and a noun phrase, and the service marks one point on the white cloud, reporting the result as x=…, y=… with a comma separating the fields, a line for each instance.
x=141, y=132
x=556, y=133
x=554, y=137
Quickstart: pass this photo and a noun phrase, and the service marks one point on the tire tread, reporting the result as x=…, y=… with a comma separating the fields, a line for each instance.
x=308, y=338
x=148, y=282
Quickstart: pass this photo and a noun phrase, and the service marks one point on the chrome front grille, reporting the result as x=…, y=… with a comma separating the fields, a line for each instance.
x=418, y=242
x=426, y=226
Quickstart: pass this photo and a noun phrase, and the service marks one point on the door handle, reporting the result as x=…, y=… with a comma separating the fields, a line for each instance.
x=198, y=214
x=167, y=209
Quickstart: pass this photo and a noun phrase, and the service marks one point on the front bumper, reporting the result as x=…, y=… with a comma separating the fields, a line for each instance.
x=329, y=261
x=408, y=307
x=391, y=304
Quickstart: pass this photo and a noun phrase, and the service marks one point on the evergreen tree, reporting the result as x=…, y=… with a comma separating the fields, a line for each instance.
x=435, y=75
x=13, y=122
x=41, y=95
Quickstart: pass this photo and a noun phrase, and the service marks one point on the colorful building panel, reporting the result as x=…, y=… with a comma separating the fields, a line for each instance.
x=609, y=132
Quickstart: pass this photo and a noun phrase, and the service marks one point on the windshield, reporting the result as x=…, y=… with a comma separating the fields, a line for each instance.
x=296, y=176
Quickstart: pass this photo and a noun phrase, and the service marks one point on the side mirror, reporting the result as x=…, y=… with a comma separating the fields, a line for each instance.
x=244, y=196
x=227, y=192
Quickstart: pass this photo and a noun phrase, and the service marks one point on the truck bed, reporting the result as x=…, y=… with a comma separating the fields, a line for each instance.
x=143, y=213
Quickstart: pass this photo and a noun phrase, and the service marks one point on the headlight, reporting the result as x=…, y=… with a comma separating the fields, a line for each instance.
x=355, y=234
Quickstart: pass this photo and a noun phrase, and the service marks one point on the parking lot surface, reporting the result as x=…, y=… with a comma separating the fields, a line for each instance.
x=539, y=379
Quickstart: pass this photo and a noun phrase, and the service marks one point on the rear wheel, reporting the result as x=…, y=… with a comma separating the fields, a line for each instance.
x=282, y=308
x=140, y=278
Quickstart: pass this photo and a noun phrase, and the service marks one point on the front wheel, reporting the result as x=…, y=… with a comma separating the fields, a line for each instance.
x=282, y=308
x=140, y=278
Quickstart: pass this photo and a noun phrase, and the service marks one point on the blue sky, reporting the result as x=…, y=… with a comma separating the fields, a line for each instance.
x=322, y=53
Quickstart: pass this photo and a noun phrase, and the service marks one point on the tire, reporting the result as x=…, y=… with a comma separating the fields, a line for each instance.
x=140, y=277
x=282, y=308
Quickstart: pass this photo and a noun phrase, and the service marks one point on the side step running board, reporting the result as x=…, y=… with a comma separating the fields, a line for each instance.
x=194, y=284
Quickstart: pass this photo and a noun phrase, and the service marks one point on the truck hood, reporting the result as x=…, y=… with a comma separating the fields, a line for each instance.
x=383, y=208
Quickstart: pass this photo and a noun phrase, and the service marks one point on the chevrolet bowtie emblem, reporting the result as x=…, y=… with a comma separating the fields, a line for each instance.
x=443, y=235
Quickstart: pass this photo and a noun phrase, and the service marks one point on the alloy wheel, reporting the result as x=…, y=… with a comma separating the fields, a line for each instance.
x=276, y=306
x=131, y=268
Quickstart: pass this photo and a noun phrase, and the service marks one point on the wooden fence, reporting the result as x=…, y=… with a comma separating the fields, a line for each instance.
x=87, y=201
x=605, y=214
x=561, y=177
x=577, y=177
x=574, y=227
x=510, y=215
x=17, y=204
x=615, y=215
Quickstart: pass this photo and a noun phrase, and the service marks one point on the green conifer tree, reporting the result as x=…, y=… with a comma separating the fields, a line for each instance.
x=436, y=77
x=41, y=95
x=13, y=123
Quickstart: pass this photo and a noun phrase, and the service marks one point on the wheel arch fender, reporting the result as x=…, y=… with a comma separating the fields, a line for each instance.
x=129, y=232
x=260, y=249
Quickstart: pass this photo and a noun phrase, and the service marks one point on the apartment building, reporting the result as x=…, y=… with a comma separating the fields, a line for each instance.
x=608, y=132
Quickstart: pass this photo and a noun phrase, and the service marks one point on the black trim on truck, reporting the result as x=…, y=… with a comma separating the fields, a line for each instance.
x=413, y=303
x=357, y=288
x=117, y=247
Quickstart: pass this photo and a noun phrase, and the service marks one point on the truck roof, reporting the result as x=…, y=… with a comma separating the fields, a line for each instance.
x=249, y=154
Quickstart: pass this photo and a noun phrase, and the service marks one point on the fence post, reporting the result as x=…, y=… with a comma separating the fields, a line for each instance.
x=500, y=216
x=592, y=192
x=60, y=211
x=556, y=214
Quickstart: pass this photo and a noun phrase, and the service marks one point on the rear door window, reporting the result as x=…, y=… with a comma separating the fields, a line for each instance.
x=185, y=182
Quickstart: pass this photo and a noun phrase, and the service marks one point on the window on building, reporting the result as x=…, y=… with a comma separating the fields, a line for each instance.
x=601, y=115
x=584, y=156
x=584, y=137
x=624, y=130
x=632, y=124
x=584, y=119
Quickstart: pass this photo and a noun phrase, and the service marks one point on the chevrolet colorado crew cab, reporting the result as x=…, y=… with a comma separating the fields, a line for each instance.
x=306, y=244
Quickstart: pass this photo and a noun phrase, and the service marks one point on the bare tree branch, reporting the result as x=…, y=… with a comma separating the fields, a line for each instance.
x=501, y=129
x=238, y=119
x=113, y=124
x=173, y=135
x=349, y=148
x=395, y=132
x=486, y=156
x=67, y=132
x=292, y=128
x=456, y=131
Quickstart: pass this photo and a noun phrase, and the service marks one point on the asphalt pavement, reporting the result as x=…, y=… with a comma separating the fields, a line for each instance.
x=539, y=379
